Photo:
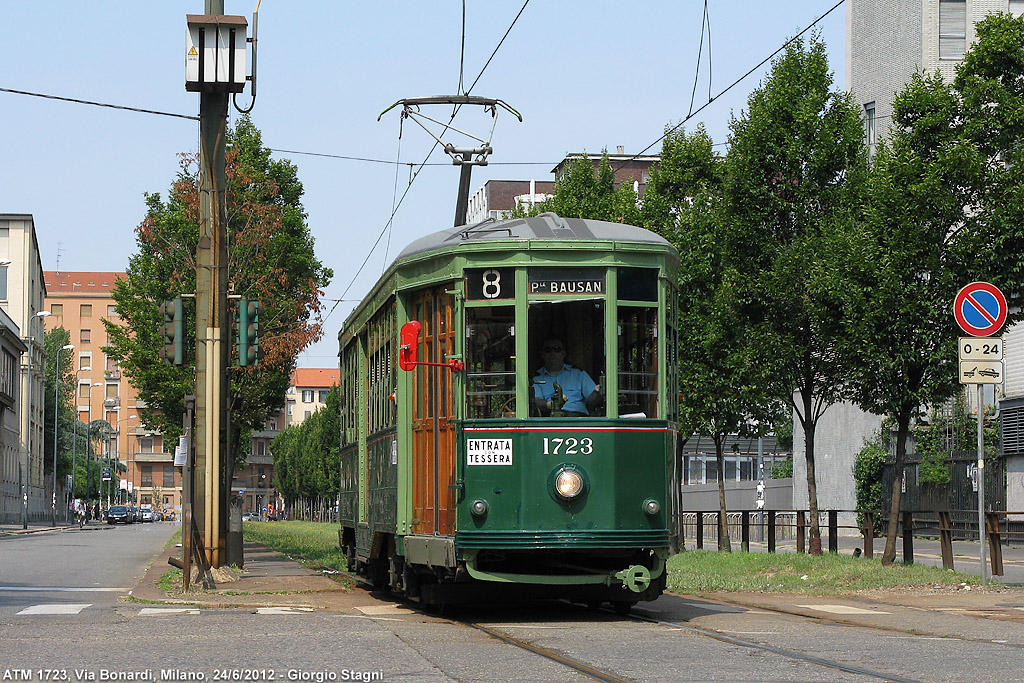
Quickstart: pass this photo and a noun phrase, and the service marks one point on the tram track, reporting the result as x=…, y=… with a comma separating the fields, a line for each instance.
x=597, y=673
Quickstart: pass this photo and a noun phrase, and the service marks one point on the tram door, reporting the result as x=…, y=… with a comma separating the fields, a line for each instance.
x=433, y=416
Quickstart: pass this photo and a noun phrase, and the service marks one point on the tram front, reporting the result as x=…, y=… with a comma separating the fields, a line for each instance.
x=565, y=470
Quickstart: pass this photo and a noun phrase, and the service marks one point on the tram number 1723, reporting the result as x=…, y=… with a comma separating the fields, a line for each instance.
x=572, y=446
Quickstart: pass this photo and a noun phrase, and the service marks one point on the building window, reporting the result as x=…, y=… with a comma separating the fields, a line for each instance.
x=56, y=309
x=112, y=364
x=307, y=395
x=147, y=475
x=291, y=405
x=952, y=29
x=168, y=476
x=111, y=311
x=86, y=336
x=870, y=129
x=261, y=447
x=112, y=390
x=86, y=311
x=323, y=396
x=83, y=390
x=85, y=361
x=3, y=283
x=306, y=414
x=1017, y=7
x=145, y=444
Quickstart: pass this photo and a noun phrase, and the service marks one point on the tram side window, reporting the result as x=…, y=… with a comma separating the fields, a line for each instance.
x=567, y=348
x=490, y=362
x=638, y=362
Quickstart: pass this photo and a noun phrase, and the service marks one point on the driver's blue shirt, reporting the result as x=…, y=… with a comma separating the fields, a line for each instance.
x=576, y=385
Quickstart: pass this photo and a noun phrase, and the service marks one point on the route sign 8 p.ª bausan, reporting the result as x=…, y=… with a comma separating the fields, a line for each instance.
x=980, y=309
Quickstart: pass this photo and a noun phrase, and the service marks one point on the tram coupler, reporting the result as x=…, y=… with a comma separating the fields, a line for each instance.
x=636, y=578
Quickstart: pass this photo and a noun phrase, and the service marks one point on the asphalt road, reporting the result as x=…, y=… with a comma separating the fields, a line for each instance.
x=65, y=615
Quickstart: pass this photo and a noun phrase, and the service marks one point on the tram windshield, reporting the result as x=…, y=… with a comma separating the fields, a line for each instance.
x=567, y=358
x=491, y=362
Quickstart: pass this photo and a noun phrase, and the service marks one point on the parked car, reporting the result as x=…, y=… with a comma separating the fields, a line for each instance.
x=135, y=513
x=118, y=514
x=147, y=515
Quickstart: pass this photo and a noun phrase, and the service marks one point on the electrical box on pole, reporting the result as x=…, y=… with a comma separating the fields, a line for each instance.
x=215, y=55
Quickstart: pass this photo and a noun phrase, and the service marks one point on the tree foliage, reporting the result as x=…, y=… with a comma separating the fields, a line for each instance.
x=307, y=457
x=582, y=193
x=270, y=259
x=793, y=173
x=943, y=209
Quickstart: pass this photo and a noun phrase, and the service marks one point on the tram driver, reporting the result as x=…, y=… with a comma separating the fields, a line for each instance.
x=578, y=390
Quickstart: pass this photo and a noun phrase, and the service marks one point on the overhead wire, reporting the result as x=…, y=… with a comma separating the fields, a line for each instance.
x=416, y=174
x=99, y=104
x=732, y=85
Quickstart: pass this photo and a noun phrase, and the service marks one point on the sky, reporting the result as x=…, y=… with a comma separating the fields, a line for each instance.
x=586, y=75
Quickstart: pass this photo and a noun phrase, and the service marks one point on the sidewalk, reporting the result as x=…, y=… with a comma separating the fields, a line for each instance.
x=36, y=527
x=269, y=579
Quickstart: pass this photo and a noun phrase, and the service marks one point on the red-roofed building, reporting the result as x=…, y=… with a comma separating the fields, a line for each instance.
x=308, y=391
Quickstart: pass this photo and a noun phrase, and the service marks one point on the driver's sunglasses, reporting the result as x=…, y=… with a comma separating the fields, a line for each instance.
x=549, y=349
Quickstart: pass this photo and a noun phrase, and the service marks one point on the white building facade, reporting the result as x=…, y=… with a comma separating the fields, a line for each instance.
x=22, y=294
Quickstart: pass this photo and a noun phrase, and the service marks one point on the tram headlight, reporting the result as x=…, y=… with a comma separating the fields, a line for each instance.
x=652, y=507
x=478, y=508
x=568, y=484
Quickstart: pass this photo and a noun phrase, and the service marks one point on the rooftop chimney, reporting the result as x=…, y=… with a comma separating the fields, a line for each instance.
x=620, y=150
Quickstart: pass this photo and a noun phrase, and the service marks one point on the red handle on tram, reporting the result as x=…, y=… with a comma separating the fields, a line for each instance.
x=409, y=344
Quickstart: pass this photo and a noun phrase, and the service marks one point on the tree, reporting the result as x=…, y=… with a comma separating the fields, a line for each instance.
x=307, y=463
x=721, y=391
x=794, y=171
x=944, y=208
x=270, y=260
x=580, y=193
x=58, y=394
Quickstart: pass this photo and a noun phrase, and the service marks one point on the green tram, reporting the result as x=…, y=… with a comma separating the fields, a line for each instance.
x=509, y=415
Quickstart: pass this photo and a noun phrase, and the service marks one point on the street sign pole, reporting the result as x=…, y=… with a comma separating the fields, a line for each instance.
x=981, y=482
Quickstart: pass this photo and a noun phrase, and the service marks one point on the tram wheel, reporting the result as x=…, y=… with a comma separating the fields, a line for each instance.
x=622, y=607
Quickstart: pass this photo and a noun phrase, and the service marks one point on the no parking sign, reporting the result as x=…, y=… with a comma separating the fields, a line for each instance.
x=980, y=309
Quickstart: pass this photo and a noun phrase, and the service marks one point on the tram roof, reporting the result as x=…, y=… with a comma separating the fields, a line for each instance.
x=547, y=226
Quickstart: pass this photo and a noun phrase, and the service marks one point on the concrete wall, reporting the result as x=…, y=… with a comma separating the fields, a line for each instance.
x=741, y=495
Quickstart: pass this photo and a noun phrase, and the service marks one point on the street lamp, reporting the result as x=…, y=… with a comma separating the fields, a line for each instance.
x=56, y=419
x=117, y=451
x=74, y=439
x=28, y=422
x=88, y=444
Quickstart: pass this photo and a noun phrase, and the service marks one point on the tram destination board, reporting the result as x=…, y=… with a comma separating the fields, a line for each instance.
x=580, y=281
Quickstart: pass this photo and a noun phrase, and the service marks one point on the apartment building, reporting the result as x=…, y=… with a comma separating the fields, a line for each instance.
x=80, y=302
x=25, y=492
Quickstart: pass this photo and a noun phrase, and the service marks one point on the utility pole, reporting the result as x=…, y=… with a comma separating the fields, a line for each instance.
x=215, y=42
x=211, y=312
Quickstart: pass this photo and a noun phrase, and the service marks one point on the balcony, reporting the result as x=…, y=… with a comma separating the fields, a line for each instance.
x=111, y=402
x=111, y=374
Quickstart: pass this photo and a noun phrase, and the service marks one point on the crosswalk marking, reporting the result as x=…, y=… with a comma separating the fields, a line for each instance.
x=283, y=610
x=58, y=589
x=54, y=608
x=842, y=609
x=153, y=611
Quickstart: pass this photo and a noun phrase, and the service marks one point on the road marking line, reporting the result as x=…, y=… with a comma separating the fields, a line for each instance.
x=58, y=589
x=842, y=609
x=153, y=611
x=283, y=610
x=372, y=610
x=54, y=608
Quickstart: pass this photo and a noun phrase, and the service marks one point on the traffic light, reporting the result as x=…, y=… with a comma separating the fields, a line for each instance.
x=248, y=332
x=173, y=332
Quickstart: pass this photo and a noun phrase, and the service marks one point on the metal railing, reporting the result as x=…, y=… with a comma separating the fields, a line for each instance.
x=793, y=524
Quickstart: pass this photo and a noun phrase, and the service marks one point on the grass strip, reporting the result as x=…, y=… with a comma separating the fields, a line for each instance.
x=705, y=571
x=312, y=543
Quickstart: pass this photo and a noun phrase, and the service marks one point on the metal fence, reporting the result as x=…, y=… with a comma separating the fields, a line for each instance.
x=961, y=493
